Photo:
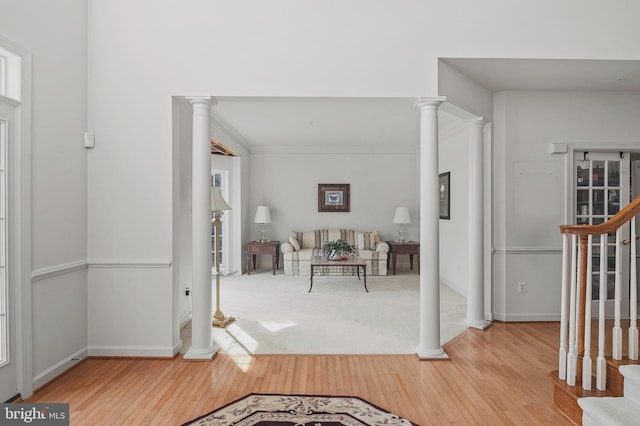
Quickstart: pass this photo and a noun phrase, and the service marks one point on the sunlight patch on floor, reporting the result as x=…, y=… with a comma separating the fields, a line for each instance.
x=244, y=362
x=238, y=344
x=275, y=326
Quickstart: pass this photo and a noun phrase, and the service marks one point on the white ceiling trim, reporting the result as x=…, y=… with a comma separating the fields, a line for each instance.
x=333, y=149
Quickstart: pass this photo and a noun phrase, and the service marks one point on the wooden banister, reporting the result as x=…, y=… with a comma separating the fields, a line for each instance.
x=622, y=217
x=578, y=245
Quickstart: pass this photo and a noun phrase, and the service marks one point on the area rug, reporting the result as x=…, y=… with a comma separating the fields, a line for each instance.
x=294, y=410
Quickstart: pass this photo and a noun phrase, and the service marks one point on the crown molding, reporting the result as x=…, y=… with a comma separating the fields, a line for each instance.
x=334, y=149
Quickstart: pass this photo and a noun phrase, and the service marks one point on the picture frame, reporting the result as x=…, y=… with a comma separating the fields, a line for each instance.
x=445, y=195
x=334, y=197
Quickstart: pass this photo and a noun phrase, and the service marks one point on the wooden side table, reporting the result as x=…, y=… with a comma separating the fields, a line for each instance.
x=403, y=247
x=267, y=247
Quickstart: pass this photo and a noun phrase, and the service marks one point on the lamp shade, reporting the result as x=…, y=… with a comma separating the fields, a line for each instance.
x=217, y=202
x=402, y=215
x=262, y=215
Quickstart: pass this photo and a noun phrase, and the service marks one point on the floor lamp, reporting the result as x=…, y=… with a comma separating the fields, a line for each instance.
x=217, y=206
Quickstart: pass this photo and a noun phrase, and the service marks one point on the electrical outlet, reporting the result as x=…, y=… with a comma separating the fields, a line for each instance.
x=187, y=291
x=522, y=287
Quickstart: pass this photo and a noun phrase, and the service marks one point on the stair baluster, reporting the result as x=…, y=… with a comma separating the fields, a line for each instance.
x=576, y=368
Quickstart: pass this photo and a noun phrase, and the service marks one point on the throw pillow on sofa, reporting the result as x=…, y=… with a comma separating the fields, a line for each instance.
x=294, y=242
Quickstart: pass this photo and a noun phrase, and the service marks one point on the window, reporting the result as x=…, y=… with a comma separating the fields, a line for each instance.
x=219, y=180
x=10, y=65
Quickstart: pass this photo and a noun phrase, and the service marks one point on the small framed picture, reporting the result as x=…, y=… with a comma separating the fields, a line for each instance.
x=445, y=195
x=334, y=197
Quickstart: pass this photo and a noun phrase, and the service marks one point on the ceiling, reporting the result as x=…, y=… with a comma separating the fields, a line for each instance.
x=370, y=124
x=550, y=74
x=272, y=123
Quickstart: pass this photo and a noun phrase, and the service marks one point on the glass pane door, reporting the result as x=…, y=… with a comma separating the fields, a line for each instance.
x=602, y=189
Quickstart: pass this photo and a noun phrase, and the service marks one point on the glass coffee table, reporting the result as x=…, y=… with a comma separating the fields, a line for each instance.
x=350, y=263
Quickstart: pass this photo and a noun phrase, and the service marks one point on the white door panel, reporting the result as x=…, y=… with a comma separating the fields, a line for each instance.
x=8, y=360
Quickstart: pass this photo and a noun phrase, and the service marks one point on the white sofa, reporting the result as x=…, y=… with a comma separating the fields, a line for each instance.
x=297, y=252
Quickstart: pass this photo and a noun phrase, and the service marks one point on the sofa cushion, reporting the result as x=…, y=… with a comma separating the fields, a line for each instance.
x=366, y=240
x=309, y=240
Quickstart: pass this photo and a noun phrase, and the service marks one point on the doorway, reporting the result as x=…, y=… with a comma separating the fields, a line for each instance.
x=605, y=183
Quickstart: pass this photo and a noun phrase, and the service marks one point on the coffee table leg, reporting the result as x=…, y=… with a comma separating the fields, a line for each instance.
x=311, y=286
x=364, y=270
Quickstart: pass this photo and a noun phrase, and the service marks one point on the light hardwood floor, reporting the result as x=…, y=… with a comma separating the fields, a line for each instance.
x=494, y=377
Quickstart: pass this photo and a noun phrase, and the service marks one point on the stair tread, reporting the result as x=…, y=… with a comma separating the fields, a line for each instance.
x=610, y=410
x=577, y=391
x=630, y=372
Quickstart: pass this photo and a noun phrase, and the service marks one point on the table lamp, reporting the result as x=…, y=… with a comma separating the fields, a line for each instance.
x=401, y=217
x=262, y=217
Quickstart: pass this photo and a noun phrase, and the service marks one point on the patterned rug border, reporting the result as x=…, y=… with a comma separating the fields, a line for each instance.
x=190, y=422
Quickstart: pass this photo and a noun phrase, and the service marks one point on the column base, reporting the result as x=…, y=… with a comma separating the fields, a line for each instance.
x=205, y=354
x=424, y=353
x=479, y=324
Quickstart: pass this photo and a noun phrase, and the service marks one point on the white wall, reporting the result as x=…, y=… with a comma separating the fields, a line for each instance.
x=288, y=184
x=463, y=92
x=182, y=127
x=59, y=174
x=529, y=186
x=454, y=233
x=279, y=48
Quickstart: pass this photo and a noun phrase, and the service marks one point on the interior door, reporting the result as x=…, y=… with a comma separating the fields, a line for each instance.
x=602, y=188
x=8, y=359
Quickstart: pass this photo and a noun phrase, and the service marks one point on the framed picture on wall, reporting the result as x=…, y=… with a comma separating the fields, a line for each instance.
x=445, y=196
x=334, y=197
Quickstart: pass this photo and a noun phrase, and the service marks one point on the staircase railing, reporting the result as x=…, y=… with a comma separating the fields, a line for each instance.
x=575, y=355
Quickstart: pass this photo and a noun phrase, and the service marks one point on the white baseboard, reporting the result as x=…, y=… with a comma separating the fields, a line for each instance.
x=134, y=351
x=59, y=368
x=526, y=317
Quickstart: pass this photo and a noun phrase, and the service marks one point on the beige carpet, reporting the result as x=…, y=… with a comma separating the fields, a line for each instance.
x=277, y=315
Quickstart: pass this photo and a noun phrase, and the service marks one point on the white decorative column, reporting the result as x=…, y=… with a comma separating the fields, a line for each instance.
x=202, y=346
x=475, y=285
x=429, y=347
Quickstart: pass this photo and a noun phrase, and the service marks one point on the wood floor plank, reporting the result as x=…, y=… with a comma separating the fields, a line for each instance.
x=497, y=376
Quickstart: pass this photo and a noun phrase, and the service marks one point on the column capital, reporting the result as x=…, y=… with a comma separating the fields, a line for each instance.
x=429, y=102
x=202, y=100
x=478, y=121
